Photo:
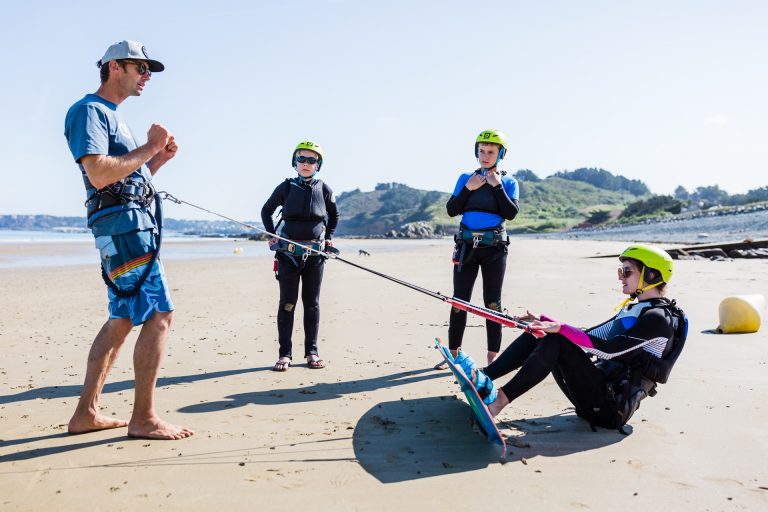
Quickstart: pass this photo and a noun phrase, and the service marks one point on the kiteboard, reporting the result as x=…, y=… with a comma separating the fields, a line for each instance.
x=482, y=416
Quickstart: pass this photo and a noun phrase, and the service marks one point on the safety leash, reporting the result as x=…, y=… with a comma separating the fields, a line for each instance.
x=134, y=290
x=489, y=314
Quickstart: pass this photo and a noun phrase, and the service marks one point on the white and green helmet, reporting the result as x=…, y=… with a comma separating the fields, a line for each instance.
x=311, y=146
x=492, y=137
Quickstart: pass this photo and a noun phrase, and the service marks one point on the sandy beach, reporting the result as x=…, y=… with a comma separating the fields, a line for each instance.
x=378, y=429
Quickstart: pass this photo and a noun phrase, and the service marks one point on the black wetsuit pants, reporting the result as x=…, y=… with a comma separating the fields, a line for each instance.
x=578, y=377
x=289, y=274
x=492, y=261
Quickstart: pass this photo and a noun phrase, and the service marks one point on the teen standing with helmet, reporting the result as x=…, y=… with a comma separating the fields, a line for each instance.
x=635, y=349
x=309, y=217
x=484, y=198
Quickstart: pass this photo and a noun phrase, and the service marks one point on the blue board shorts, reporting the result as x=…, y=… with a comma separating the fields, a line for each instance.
x=125, y=258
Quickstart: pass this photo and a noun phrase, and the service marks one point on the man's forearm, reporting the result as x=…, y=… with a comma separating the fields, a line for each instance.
x=103, y=170
x=156, y=162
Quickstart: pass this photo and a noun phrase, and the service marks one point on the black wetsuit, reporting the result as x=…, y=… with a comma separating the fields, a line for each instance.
x=309, y=214
x=630, y=340
x=490, y=259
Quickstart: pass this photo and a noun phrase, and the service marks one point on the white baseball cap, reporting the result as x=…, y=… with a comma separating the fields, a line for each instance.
x=130, y=50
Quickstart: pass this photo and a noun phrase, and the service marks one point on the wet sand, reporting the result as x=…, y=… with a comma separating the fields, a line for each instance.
x=377, y=429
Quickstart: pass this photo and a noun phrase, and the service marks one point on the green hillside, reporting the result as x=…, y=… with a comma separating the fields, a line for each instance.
x=389, y=207
x=553, y=204
x=550, y=204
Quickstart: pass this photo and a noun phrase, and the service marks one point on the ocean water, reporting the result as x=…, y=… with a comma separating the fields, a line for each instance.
x=22, y=237
x=53, y=248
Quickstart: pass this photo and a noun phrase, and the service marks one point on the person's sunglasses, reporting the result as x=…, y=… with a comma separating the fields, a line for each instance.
x=306, y=159
x=625, y=272
x=141, y=67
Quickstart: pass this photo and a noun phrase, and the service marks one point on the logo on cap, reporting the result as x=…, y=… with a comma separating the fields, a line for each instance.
x=144, y=51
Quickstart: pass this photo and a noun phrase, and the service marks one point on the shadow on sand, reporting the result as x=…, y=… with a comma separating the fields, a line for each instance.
x=412, y=439
x=49, y=392
x=319, y=391
x=34, y=453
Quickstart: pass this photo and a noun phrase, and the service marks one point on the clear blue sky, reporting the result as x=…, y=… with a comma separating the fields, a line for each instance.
x=672, y=93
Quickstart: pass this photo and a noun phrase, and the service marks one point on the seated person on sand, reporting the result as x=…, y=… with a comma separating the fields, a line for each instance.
x=634, y=350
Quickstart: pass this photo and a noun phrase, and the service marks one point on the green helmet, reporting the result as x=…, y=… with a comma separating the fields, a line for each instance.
x=492, y=137
x=311, y=146
x=652, y=258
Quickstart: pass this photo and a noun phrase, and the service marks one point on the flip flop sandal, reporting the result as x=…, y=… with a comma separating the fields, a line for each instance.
x=442, y=365
x=315, y=364
x=281, y=366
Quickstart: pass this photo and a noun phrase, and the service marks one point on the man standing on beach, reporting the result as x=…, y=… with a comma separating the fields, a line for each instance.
x=117, y=173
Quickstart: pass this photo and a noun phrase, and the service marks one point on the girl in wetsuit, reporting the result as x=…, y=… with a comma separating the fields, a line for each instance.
x=635, y=349
x=484, y=198
x=309, y=217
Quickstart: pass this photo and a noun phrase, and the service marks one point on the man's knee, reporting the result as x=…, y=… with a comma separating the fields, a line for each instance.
x=118, y=328
x=161, y=320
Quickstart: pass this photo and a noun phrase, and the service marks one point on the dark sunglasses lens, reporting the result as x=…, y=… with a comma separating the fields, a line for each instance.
x=307, y=160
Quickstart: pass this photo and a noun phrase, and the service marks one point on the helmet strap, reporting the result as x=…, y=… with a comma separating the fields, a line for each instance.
x=640, y=290
x=484, y=170
x=306, y=178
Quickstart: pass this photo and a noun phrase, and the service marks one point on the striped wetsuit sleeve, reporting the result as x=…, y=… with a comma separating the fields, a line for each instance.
x=650, y=334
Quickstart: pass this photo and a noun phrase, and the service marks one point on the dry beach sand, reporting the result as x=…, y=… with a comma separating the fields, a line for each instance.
x=377, y=429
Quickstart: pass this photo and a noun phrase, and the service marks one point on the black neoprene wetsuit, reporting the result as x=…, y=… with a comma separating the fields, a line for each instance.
x=627, y=340
x=309, y=214
x=491, y=260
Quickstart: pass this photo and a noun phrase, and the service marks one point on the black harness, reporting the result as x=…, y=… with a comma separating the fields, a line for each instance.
x=475, y=238
x=296, y=251
x=126, y=194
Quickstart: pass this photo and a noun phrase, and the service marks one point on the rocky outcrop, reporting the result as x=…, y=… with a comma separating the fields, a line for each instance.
x=413, y=230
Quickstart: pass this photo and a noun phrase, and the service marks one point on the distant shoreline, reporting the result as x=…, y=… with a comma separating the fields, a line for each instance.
x=721, y=225
x=60, y=252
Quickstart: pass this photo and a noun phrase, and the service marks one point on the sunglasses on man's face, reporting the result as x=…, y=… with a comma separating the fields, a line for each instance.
x=625, y=272
x=306, y=160
x=141, y=67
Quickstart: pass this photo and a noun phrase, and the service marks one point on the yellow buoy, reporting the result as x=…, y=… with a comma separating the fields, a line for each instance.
x=238, y=250
x=741, y=313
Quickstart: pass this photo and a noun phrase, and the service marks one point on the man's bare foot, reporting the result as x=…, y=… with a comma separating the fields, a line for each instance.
x=492, y=356
x=92, y=423
x=497, y=405
x=155, y=428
